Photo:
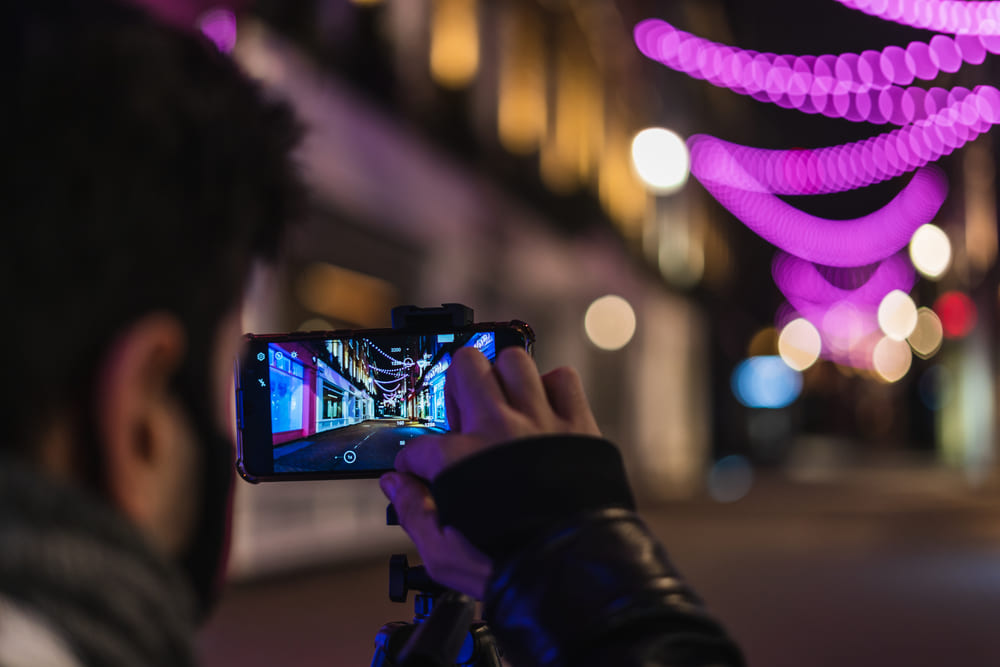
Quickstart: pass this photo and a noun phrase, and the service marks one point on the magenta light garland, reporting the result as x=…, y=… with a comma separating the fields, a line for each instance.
x=853, y=165
x=801, y=281
x=844, y=243
x=866, y=87
x=816, y=253
x=847, y=318
x=958, y=18
x=849, y=333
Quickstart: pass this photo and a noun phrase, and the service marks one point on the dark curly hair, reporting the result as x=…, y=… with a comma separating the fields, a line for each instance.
x=144, y=172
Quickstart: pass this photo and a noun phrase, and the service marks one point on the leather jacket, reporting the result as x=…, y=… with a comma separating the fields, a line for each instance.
x=578, y=579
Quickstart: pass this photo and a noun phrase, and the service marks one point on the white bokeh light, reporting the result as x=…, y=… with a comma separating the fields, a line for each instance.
x=897, y=315
x=610, y=322
x=799, y=344
x=930, y=250
x=661, y=159
x=891, y=359
x=928, y=335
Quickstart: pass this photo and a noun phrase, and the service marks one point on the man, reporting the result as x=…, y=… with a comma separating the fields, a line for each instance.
x=145, y=176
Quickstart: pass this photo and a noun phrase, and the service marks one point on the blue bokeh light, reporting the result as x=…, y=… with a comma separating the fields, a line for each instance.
x=766, y=382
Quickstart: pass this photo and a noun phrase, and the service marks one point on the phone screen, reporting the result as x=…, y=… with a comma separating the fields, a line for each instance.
x=342, y=404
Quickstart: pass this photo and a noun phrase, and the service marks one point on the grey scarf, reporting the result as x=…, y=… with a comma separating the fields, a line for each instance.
x=70, y=558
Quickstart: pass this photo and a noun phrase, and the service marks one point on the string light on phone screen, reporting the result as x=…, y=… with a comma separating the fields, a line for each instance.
x=838, y=274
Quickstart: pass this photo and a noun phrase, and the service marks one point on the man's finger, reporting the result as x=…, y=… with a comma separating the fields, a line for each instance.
x=422, y=457
x=473, y=388
x=519, y=379
x=428, y=455
x=564, y=390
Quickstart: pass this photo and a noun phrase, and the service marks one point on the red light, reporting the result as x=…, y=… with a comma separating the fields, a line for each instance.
x=957, y=313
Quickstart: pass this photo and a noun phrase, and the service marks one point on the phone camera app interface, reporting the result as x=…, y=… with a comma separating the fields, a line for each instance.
x=350, y=404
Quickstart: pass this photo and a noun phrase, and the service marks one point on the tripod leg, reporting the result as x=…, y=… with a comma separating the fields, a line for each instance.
x=389, y=641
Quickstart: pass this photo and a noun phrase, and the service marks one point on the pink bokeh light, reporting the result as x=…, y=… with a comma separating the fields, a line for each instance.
x=846, y=243
x=964, y=116
x=980, y=18
x=801, y=282
x=847, y=85
x=219, y=25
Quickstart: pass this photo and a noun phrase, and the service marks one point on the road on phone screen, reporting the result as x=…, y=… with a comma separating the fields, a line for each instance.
x=369, y=444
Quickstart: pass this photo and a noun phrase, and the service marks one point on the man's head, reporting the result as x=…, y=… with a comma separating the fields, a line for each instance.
x=144, y=175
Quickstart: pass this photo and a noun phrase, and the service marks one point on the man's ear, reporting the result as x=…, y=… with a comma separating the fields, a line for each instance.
x=137, y=414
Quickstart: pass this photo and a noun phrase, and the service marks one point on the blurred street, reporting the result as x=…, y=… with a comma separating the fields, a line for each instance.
x=893, y=566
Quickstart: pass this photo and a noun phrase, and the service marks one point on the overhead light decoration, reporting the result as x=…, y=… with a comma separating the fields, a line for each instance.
x=858, y=87
x=961, y=18
x=852, y=165
x=837, y=273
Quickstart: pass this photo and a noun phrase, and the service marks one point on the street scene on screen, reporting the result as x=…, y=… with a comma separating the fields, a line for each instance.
x=351, y=404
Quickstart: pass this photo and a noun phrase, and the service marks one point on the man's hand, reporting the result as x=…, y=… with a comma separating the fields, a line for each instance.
x=487, y=405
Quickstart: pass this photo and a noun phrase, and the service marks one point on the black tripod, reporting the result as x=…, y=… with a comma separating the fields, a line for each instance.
x=442, y=632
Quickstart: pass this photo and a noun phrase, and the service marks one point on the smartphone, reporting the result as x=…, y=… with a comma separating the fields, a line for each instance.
x=341, y=404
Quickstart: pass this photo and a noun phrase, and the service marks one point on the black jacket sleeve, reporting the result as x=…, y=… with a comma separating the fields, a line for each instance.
x=578, y=579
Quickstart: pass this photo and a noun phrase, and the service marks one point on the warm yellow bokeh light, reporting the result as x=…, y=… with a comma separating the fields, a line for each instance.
x=891, y=359
x=521, y=81
x=897, y=315
x=928, y=335
x=610, y=322
x=799, y=344
x=930, y=250
x=572, y=147
x=661, y=159
x=454, y=42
